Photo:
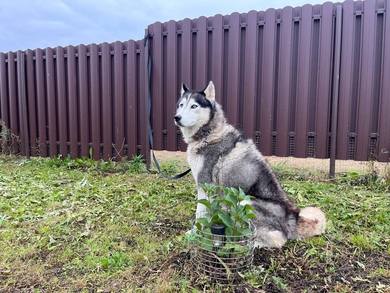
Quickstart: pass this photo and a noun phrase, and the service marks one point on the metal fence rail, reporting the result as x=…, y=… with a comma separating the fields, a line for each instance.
x=275, y=74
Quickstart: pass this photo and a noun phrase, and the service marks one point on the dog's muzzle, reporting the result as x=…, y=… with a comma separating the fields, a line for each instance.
x=177, y=119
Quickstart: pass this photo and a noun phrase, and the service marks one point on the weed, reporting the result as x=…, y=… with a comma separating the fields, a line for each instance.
x=256, y=276
x=116, y=260
x=279, y=283
x=8, y=140
x=137, y=164
x=169, y=167
x=360, y=241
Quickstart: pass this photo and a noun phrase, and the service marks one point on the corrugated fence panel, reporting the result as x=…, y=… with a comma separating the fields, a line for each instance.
x=13, y=98
x=171, y=86
x=142, y=125
x=324, y=80
x=216, y=58
x=82, y=103
x=185, y=68
x=62, y=102
x=267, y=81
x=51, y=103
x=365, y=106
x=73, y=106
x=233, y=35
x=96, y=114
x=384, y=117
x=41, y=104
x=20, y=68
x=158, y=85
x=32, y=103
x=119, y=109
x=131, y=101
x=285, y=75
x=304, y=17
x=199, y=57
x=4, y=101
x=107, y=103
x=185, y=51
x=249, y=75
x=349, y=70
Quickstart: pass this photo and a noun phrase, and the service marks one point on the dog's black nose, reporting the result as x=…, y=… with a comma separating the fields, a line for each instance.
x=177, y=118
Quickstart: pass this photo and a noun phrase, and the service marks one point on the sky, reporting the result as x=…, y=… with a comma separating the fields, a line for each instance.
x=31, y=24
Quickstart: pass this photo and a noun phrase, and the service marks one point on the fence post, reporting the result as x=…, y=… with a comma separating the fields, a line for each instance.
x=335, y=94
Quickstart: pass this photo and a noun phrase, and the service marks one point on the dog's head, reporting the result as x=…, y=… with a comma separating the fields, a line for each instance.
x=194, y=107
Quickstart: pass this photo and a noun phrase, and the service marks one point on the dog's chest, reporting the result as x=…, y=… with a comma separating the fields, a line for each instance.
x=196, y=163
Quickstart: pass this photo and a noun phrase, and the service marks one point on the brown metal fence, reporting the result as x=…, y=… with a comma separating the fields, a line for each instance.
x=74, y=99
x=275, y=72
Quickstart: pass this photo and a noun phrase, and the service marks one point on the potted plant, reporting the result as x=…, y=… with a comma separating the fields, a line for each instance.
x=222, y=238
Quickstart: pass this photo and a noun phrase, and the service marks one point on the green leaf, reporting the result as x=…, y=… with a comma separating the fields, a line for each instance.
x=245, y=231
x=232, y=248
x=228, y=232
x=247, y=198
x=204, y=202
x=226, y=219
x=241, y=194
x=249, y=208
x=215, y=219
x=198, y=226
x=240, y=218
x=232, y=198
x=202, y=221
x=251, y=216
x=215, y=206
x=209, y=189
x=228, y=202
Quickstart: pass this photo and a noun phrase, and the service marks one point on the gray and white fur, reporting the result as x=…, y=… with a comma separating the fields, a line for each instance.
x=219, y=154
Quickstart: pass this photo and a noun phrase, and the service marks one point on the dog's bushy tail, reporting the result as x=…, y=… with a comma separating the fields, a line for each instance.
x=311, y=221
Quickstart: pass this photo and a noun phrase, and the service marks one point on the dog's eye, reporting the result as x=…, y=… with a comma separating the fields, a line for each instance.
x=181, y=105
x=194, y=106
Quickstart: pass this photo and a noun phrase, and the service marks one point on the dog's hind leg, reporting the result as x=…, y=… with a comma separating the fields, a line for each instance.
x=273, y=238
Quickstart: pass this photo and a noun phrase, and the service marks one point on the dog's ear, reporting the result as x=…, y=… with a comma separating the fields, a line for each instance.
x=209, y=92
x=184, y=88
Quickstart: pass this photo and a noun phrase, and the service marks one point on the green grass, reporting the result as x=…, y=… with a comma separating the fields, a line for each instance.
x=84, y=226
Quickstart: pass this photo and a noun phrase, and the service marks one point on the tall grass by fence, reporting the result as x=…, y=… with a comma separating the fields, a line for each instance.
x=274, y=72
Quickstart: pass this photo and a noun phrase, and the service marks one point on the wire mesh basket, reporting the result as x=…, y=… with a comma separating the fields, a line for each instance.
x=221, y=257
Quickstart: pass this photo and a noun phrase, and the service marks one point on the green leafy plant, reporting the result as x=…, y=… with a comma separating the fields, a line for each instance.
x=222, y=238
x=115, y=261
x=227, y=206
x=137, y=164
x=169, y=167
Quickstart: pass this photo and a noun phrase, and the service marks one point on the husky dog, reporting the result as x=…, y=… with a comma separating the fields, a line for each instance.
x=219, y=154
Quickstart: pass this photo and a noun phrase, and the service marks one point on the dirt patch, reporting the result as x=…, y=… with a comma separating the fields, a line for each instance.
x=297, y=163
x=290, y=269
